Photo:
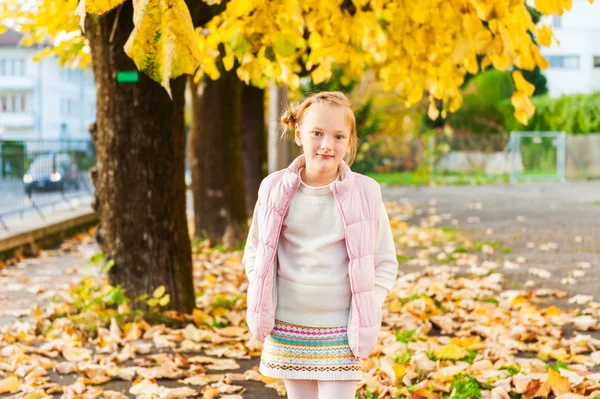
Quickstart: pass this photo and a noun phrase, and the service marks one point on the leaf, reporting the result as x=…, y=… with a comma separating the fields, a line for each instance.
x=97, y=258
x=10, y=384
x=239, y=44
x=451, y=351
x=200, y=317
x=522, y=85
x=405, y=336
x=100, y=7
x=284, y=44
x=419, y=14
x=559, y=384
x=547, y=7
x=152, y=302
x=320, y=73
x=114, y=296
x=76, y=354
x=231, y=331
x=536, y=389
x=228, y=62
x=524, y=108
x=164, y=301
x=107, y=266
x=432, y=111
x=80, y=11
x=239, y=8
x=424, y=394
x=162, y=43
x=545, y=35
x=159, y=292
x=501, y=62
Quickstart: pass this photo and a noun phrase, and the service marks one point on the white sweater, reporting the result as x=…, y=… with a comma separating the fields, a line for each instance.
x=313, y=286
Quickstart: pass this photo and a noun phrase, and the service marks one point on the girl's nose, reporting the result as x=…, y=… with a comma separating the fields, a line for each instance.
x=325, y=144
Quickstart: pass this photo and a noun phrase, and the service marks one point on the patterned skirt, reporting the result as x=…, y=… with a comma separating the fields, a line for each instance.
x=314, y=353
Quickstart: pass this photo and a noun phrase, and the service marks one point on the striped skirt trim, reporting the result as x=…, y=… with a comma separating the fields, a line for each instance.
x=317, y=353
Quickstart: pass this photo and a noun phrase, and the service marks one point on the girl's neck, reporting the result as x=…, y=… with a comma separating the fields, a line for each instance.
x=317, y=179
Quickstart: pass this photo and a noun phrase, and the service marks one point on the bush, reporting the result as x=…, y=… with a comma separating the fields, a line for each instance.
x=480, y=113
x=576, y=114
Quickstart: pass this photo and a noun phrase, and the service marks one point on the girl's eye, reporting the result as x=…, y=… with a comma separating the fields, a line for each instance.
x=316, y=133
x=339, y=137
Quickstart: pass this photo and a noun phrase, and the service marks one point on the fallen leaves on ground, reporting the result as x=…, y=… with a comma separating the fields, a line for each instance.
x=450, y=330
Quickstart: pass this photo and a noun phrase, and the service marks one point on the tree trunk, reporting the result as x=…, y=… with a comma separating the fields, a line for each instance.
x=140, y=188
x=279, y=150
x=254, y=144
x=216, y=161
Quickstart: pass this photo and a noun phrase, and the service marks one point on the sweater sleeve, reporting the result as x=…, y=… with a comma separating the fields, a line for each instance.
x=386, y=262
x=251, y=244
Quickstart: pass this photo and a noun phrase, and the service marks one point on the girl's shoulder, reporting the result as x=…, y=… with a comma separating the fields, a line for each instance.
x=366, y=181
x=270, y=180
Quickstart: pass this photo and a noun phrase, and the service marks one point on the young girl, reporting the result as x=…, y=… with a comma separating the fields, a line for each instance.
x=320, y=258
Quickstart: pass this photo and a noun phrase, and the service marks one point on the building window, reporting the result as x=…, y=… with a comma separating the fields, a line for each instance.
x=10, y=103
x=13, y=103
x=597, y=61
x=12, y=67
x=563, y=61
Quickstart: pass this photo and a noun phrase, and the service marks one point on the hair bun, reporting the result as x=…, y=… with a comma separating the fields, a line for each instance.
x=289, y=118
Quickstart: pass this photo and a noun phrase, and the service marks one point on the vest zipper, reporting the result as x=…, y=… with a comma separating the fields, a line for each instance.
x=349, y=254
x=287, y=205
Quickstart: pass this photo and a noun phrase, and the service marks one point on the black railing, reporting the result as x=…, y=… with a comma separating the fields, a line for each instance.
x=37, y=174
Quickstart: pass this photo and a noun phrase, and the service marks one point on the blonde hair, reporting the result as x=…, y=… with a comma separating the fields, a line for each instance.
x=293, y=118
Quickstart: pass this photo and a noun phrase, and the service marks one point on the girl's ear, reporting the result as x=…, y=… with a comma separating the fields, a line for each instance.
x=298, y=136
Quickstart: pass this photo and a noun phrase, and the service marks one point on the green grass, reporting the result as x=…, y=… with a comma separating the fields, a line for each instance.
x=399, y=179
x=411, y=178
x=463, y=179
x=539, y=172
x=596, y=203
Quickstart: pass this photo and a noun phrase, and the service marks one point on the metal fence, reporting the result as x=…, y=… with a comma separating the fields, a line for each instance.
x=38, y=174
x=538, y=156
x=455, y=158
x=522, y=156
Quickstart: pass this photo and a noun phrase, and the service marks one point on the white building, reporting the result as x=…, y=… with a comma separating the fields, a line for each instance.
x=575, y=63
x=42, y=100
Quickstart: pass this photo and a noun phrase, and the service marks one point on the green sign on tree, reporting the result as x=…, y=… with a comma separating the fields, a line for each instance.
x=128, y=76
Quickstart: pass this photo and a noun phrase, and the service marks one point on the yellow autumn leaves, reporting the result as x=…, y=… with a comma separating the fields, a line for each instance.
x=162, y=42
x=524, y=108
x=414, y=47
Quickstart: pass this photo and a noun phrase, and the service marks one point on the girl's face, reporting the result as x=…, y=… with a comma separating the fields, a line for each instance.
x=325, y=136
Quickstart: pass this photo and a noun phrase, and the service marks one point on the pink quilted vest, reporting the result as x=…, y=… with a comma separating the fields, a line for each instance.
x=359, y=201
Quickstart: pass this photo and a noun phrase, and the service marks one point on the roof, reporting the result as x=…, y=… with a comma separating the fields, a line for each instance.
x=10, y=38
